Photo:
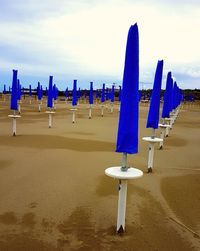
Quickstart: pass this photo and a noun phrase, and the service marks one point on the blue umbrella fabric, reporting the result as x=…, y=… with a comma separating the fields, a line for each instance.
x=39, y=91
x=13, y=104
x=103, y=94
x=30, y=91
x=153, y=116
x=120, y=93
x=112, y=96
x=74, y=94
x=4, y=89
x=127, y=138
x=19, y=92
x=91, y=99
x=167, y=104
x=50, y=93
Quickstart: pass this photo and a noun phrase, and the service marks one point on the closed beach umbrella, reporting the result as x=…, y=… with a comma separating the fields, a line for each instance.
x=91, y=99
x=127, y=138
x=39, y=91
x=103, y=94
x=74, y=94
x=120, y=93
x=167, y=105
x=13, y=104
x=4, y=89
x=30, y=91
x=19, y=92
x=112, y=96
x=153, y=116
x=50, y=93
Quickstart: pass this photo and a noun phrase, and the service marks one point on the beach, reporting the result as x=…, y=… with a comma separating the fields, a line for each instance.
x=55, y=195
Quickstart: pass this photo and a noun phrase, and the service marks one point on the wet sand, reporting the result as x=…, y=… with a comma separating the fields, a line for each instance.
x=55, y=196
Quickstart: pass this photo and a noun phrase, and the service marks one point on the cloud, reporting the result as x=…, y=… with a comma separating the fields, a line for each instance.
x=87, y=39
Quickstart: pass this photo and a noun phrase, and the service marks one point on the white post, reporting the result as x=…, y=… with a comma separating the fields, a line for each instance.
x=39, y=108
x=14, y=127
x=150, y=159
x=111, y=108
x=102, y=111
x=167, y=131
x=19, y=108
x=162, y=135
x=30, y=101
x=121, y=206
x=50, y=120
x=90, y=112
x=73, y=117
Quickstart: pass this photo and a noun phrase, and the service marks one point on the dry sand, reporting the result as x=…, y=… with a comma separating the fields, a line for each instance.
x=54, y=194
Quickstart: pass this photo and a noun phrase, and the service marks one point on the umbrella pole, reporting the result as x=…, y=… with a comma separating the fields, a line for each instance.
x=90, y=112
x=50, y=120
x=111, y=108
x=19, y=108
x=73, y=117
x=102, y=111
x=150, y=159
x=122, y=197
x=14, y=124
x=162, y=135
x=121, y=206
x=39, y=108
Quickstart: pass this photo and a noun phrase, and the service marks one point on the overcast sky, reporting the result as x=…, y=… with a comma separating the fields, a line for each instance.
x=86, y=40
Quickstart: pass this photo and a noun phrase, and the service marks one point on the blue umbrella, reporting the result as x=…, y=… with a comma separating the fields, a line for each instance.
x=19, y=92
x=74, y=94
x=167, y=97
x=4, y=89
x=103, y=94
x=91, y=99
x=30, y=91
x=39, y=91
x=50, y=93
x=112, y=96
x=120, y=93
x=14, y=105
x=127, y=138
x=153, y=116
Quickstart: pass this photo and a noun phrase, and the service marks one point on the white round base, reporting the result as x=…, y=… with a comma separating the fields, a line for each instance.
x=164, y=125
x=73, y=109
x=14, y=116
x=131, y=173
x=50, y=112
x=152, y=140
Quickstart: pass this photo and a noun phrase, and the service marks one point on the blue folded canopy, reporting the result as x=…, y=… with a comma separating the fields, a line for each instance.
x=127, y=138
x=153, y=116
x=13, y=104
x=74, y=94
x=50, y=93
x=91, y=99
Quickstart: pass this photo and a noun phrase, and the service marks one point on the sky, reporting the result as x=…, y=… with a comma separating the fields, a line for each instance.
x=86, y=40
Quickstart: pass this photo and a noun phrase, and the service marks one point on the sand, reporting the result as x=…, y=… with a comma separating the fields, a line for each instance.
x=54, y=194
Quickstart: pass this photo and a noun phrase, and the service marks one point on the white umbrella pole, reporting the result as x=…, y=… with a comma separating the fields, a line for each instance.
x=14, y=124
x=150, y=159
x=102, y=111
x=73, y=117
x=111, y=108
x=19, y=108
x=50, y=120
x=90, y=112
x=122, y=206
x=39, y=107
x=122, y=197
x=162, y=135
